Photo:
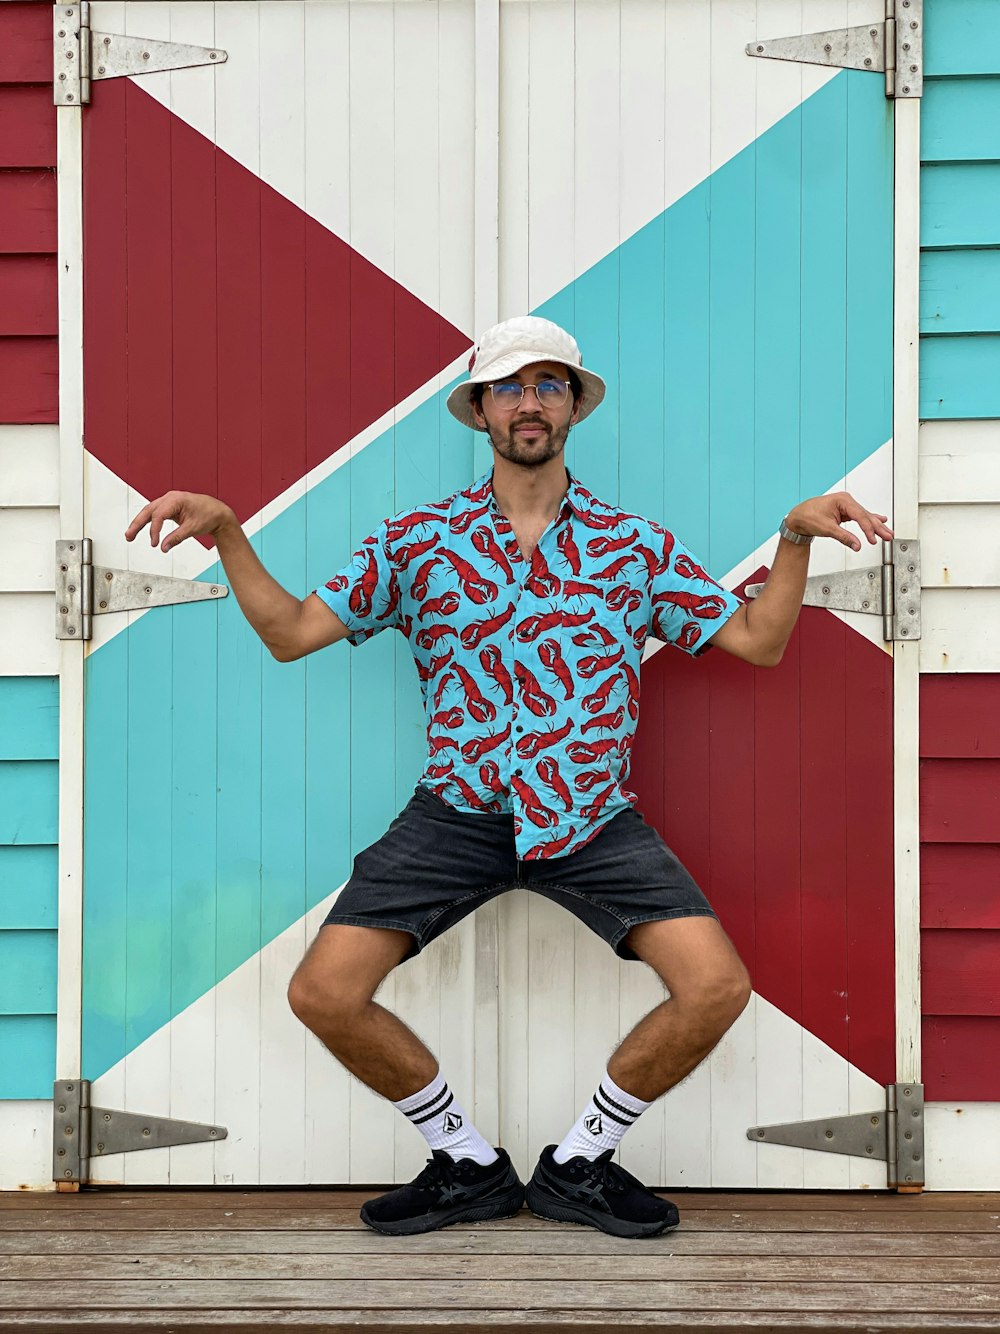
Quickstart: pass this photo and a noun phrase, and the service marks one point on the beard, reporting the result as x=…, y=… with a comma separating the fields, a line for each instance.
x=529, y=453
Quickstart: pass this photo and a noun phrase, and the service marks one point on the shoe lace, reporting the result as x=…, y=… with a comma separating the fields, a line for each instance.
x=440, y=1171
x=612, y=1176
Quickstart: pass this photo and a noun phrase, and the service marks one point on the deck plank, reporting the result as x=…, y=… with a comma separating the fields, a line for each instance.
x=633, y=1268
x=492, y=1241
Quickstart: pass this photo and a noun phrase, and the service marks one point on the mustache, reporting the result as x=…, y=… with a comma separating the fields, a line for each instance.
x=531, y=421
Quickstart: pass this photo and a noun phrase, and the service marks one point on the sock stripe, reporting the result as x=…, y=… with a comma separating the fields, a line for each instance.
x=414, y=1111
x=628, y=1111
x=419, y=1120
x=606, y=1111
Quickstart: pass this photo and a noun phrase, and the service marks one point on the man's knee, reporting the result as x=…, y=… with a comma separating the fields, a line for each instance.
x=341, y=973
x=720, y=997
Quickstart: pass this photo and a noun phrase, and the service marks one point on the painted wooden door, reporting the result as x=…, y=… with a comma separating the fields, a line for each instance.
x=281, y=270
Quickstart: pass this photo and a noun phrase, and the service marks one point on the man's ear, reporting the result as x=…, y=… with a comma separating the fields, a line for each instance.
x=477, y=411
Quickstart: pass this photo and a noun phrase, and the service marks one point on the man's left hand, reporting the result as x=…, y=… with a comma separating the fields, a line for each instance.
x=825, y=516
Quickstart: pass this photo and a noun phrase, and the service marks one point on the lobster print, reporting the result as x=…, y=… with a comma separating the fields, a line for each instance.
x=529, y=666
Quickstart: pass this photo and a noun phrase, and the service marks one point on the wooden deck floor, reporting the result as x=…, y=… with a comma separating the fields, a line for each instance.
x=199, y=1261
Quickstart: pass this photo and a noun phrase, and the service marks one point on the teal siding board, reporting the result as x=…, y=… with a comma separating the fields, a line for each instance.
x=29, y=718
x=960, y=377
x=960, y=120
x=27, y=1055
x=960, y=204
x=28, y=887
x=960, y=292
x=27, y=972
x=29, y=801
x=961, y=37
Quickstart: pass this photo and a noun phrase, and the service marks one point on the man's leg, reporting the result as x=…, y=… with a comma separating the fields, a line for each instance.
x=575, y=1180
x=709, y=989
x=332, y=992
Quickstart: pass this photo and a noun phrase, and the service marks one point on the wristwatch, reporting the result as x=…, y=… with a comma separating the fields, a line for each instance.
x=800, y=539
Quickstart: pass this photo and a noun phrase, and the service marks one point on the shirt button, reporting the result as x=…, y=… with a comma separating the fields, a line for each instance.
x=518, y=728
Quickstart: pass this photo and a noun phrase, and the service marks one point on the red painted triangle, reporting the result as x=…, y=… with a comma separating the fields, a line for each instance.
x=774, y=788
x=231, y=343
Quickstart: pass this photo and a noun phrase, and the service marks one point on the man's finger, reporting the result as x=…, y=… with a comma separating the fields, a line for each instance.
x=177, y=536
x=157, y=525
x=138, y=523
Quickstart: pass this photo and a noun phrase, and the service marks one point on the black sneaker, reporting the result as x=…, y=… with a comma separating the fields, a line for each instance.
x=447, y=1192
x=598, y=1193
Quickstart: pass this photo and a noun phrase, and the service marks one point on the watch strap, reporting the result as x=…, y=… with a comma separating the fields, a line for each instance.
x=800, y=539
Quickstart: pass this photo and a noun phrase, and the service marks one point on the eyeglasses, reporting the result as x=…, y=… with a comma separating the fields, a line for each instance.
x=507, y=394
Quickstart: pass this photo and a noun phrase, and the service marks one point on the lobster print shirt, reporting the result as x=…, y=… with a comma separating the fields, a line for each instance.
x=529, y=669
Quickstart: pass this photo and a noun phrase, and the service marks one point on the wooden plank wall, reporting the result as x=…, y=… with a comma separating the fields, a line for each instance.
x=29, y=498
x=959, y=522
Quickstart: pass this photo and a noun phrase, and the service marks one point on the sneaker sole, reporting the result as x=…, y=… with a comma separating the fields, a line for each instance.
x=543, y=1205
x=500, y=1206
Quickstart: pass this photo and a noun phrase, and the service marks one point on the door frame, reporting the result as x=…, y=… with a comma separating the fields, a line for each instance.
x=906, y=657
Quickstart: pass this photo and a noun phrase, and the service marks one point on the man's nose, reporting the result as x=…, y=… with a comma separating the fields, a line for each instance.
x=524, y=391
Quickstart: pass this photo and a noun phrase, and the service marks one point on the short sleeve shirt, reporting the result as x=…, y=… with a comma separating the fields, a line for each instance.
x=529, y=668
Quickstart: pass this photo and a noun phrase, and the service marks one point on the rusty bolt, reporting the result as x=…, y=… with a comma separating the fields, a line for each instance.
x=145, y=55
x=100, y=69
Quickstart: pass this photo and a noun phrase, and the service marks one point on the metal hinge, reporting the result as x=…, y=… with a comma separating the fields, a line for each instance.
x=894, y=1136
x=81, y=55
x=890, y=590
x=85, y=590
x=81, y=1132
x=895, y=47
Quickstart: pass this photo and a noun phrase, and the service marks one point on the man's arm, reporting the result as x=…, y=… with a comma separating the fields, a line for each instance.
x=289, y=627
x=759, y=631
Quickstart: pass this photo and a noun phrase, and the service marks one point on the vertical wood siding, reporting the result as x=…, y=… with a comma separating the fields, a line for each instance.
x=29, y=495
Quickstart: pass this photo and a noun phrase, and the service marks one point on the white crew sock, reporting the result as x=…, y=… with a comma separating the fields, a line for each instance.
x=602, y=1122
x=443, y=1124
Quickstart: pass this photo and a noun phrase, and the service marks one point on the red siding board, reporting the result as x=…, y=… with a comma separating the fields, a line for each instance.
x=29, y=380
x=960, y=716
x=25, y=42
x=27, y=126
x=960, y=885
x=28, y=212
x=960, y=972
x=960, y=801
x=961, y=1059
x=28, y=295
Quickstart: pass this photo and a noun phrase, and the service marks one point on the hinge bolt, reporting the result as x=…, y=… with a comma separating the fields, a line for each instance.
x=100, y=69
x=829, y=1134
x=913, y=69
x=211, y=55
x=828, y=48
x=145, y=55
x=146, y=1133
x=147, y=590
x=759, y=49
x=868, y=60
x=906, y=87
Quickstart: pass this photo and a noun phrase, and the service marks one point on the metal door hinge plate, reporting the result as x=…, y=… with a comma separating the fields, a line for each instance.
x=81, y=1132
x=893, y=47
x=85, y=590
x=890, y=590
x=894, y=1135
x=81, y=55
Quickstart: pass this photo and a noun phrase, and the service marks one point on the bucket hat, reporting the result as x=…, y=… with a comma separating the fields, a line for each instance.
x=513, y=344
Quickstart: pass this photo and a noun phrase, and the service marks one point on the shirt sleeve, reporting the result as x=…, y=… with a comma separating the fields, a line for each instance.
x=365, y=593
x=688, y=606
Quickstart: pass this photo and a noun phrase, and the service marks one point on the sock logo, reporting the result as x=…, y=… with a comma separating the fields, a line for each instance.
x=594, y=1124
x=452, y=1122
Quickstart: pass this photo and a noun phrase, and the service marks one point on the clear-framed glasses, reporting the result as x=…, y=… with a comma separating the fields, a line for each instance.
x=550, y=393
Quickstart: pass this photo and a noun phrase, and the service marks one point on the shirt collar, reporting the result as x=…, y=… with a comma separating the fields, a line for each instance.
x=575, y=499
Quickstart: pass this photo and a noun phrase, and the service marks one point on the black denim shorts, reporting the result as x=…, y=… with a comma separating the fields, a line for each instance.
x=434, y=865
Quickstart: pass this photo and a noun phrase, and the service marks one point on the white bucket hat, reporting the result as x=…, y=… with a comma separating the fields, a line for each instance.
x=513, y=344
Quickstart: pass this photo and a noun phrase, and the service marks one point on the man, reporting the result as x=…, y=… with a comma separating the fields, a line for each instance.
x=526, y=602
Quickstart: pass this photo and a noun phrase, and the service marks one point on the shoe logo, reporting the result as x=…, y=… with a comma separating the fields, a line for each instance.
x=594, y=1124
x=451, y=1123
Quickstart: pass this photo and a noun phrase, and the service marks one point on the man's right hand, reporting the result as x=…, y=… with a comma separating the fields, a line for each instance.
x=195, y=516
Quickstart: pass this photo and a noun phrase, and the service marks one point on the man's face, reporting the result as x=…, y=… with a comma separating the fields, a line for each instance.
x=530, y=432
